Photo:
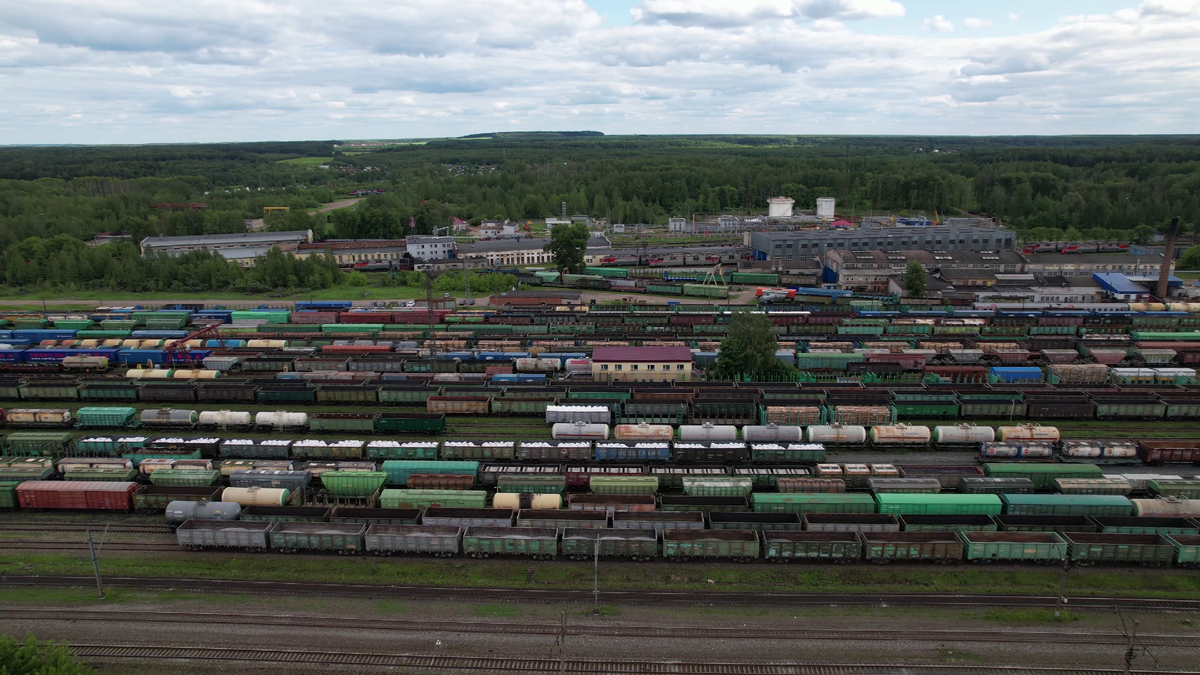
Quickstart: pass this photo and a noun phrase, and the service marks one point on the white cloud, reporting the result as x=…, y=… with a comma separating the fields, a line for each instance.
x=938, y=24
x=1013, y=17
x=972, y=22
x=254, y=69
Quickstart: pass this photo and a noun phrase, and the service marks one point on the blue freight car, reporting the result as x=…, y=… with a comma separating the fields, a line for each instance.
x=1015, y=374
x=54, y=355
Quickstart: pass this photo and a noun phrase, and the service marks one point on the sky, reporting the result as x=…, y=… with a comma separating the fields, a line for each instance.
x=152, y=71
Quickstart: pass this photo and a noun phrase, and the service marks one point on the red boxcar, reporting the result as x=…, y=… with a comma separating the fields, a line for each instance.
x=76, y=494
x=314, y=317
x=440, y=481
x=1168, y=452
x=365, y=317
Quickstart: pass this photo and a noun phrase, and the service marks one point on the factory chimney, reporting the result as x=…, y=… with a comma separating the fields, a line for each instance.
x=1164, y=273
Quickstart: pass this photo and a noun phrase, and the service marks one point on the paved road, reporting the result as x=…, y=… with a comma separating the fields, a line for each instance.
x=257, y=223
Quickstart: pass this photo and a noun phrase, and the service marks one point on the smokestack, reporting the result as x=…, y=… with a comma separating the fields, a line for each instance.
x=1164, y=273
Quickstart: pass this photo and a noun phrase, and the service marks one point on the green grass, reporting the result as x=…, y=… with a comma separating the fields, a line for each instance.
x=310, y=162
x=1030, y=615
x=497, y=610
x=613, y=575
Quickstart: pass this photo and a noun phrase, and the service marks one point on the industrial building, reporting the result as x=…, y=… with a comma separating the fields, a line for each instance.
x=805, y=243
x=1087, y=264
x=641, y=364
x=430, y=248
x=872, y=270
x=242, y=248
x=509, y=252
x=349, y=252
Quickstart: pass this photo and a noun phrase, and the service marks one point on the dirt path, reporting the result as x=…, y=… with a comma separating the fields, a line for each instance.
x=257, y=223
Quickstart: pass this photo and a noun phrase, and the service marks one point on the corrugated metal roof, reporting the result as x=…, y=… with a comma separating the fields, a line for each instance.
x=641, y=354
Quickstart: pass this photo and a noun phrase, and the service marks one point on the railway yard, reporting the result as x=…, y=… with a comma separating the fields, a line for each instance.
x=473, y=497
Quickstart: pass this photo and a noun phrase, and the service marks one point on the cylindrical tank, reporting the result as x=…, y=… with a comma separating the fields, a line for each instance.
x=1036, y=450
x=266, y=344
x=836, y=433
x=767, y=433
x=1028, y=432
x=225, y=418
x=281, y=419
x=196, y=374
x=149, y=373
x=1147, y=307
x=963, y=433
x=1169, y=507
x=512, y=500
x=572, y=431
x=1189, y=307
x=177, y=512
x=991, y=450
x=579, y=365
x=1083, y=449
x=643, y=432
x=1120, y=450
x=707, y=432
x=86, y=362
x=900, y=434
x=526, y=365
x=546, y=365
x=168, y=417
x=256, y=496
x=52, y=416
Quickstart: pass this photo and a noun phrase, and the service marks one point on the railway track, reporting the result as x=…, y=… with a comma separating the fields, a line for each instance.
x=617, y=631
x=585, y=597
x=433, y=663
x=96, y=528
x=82, y=545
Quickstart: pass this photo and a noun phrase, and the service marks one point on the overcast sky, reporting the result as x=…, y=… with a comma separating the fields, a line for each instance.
x=140, y=71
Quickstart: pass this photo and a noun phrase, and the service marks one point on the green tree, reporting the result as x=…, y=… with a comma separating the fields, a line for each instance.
x=567, y=244
x=37, y=658
x=914, y=280
x=749, y=348
x=1190, y=259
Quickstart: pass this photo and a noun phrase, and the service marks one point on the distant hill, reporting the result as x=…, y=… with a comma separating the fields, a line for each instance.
x=533, y=135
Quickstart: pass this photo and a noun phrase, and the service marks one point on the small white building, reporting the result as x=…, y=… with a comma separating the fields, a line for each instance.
x=825, y=208
x=430, y=248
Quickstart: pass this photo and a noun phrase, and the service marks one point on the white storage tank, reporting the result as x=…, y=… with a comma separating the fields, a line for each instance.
x=179, y=511
x=1036, y=450
x=963, y=434
x=224, y=418
x=579, y=431
x=196, y=374
x=150, y=373
x=579, y=365
x=1169, y=507
x=643, y=432
x=900, y=434
x=1028, y=432
x=514, y=501
x=989, y=450
x=836, y=433
x=1082, y=450
x=281, y=419
x=707, y=432
x=256, y=496
x=770, y=433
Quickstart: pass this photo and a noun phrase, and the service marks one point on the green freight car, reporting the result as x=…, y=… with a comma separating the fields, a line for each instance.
x=102, y=473
x=1144, y=549
x=356, y=484
x=898, y=503
x=8, y=494
x=39, y=444
x=185, y=477
x=291, y=537
x=398, y=470
x=1032, y=546
x=839, y=547
x=402, y=450
x=423, y=499
x=92, y=417
x=532, y=484
x=719, y=544
x=815, y=502
x=1066, y=505
x=624, y=485
x=1042, y=475
x=536, y=542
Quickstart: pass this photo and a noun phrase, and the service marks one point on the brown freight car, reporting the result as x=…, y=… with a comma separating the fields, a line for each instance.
x=74, y=494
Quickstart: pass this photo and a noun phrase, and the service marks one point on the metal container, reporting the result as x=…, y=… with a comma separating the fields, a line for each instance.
x=624, y=485
x=707, y=432
x=643, y=432
x=156, y=498
x=1092, y=486
x=556, y=519
x=1008, y=545
x=787, y=452
x=197, y=534
x=850, y=522
x=919, y=522
x=387, y=539
x=1028, y=432
x=280, y=419
x=946, y=504
x=569, y=414
x=271, y=478
x=1046, y=523
x=812, y=502
x=964, y=434
x=179, y=511
x=735, y=544
x=658, y=520
x=420, y=499
x=1145, y=549
x=614, y=503
x=579, y=431
x=1066, y=505
x=224, y=418
x=755, y=521
x=1166, y=507
x=905, y=485
x=1182, y=489
x=531, y=541
x=495, y=517
x=1147, y=525
x=839, y=547
x=168, y=417
x=530, y=483
x=836, y=433
x=986, y=485
x=900, y=434
x=369, y=516
x=810, y=485
x=584, y=543
x=256, y=496
x=298, y=536
x=1108, y=452
x=291, y=514
x=554, y=450
x=717, y=486
x=772, y=433
x=882, y=547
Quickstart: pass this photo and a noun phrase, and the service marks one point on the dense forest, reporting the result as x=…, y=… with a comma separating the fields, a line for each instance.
x=1044, y=187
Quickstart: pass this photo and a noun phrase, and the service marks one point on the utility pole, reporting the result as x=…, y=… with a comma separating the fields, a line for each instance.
x=596, y=580
x=1130, y=650
x=1062, y=587
x=95, y=566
